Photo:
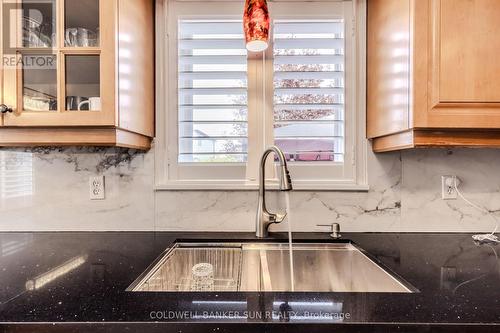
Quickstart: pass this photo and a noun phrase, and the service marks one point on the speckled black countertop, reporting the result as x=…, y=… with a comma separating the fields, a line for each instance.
x=458, y=283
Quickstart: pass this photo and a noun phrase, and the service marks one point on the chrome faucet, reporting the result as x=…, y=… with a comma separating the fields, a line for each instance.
x=264, y=218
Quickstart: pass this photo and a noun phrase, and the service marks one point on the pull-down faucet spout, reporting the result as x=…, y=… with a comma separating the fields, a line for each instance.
x=264, y=218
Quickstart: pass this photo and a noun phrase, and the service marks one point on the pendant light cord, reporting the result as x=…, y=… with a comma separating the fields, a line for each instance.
x=264, y=96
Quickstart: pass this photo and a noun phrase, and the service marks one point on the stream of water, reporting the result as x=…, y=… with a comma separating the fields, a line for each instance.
x=290, y=247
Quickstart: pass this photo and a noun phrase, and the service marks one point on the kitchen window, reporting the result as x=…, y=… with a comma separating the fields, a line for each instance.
x=220, y=106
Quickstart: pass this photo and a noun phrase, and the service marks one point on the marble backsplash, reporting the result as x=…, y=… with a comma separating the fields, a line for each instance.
x=47, y=189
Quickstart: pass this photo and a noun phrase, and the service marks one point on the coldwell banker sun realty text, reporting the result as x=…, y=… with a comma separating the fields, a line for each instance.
x=182, y=315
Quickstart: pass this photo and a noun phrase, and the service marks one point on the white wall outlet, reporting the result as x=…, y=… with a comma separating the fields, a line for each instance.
x=97, y=188
x=448, y=191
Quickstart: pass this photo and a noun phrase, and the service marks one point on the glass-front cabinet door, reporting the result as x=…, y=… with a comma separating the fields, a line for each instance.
x=58, y=62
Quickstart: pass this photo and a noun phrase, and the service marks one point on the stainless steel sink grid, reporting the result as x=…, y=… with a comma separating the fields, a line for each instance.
x=174, y=270
x=318, y=267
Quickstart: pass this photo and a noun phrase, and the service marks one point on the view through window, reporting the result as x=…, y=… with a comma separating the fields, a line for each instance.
x=309, y=89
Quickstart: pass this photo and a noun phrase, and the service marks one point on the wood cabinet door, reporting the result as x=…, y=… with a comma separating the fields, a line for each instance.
x=464, y=63
x=61, y=63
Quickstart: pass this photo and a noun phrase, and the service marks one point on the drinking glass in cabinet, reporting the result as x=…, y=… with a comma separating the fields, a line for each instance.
x=81, y=23
x=39, y=79
x=38, y=24
x=83, y=83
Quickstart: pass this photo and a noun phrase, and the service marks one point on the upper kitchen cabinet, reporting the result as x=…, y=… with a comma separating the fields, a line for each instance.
x=433, y=73
x=77, y=72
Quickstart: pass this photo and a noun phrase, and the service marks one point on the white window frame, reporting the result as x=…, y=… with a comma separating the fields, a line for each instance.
x=169, y=175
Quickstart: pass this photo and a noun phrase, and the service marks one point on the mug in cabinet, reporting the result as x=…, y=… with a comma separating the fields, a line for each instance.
x=94, y=104
x=73, y=102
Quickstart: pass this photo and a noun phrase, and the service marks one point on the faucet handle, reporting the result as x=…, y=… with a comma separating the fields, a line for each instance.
x=279, y=217
x=335, y=229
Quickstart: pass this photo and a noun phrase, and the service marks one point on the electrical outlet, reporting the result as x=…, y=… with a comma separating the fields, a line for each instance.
x=448, y=191
x=97, y=189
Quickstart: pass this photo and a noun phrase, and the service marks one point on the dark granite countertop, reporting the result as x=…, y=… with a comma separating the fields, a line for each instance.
x=458, y=283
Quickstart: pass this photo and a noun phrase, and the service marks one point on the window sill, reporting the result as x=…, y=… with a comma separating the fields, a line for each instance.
x=234, y=185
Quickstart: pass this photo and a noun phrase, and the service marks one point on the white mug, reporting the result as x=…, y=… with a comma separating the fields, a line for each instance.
x=93, y=102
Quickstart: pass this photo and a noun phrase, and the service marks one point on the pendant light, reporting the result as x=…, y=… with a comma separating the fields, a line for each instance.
x=256, y=25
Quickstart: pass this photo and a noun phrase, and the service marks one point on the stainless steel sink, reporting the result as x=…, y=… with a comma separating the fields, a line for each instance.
x=318, y=267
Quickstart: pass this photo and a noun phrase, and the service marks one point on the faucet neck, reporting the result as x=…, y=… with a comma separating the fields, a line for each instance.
x=283, y=166
x=264, y=218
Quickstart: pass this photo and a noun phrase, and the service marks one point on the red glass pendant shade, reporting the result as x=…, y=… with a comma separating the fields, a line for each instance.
x=256, y=25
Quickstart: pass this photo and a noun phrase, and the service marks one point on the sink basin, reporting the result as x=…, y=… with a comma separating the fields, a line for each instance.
x=254, y=266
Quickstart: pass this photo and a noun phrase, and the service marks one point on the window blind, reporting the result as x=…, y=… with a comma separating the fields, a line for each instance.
x=309, y=89
x=212, y=92
x=16, y=174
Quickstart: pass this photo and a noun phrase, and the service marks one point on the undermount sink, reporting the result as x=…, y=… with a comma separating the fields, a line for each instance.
x=260, y=266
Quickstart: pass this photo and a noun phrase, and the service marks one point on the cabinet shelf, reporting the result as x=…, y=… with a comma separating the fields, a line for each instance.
x=75, y=136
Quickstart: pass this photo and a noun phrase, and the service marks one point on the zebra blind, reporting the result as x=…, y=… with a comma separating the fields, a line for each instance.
x=309, y=89
x=212, y=92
